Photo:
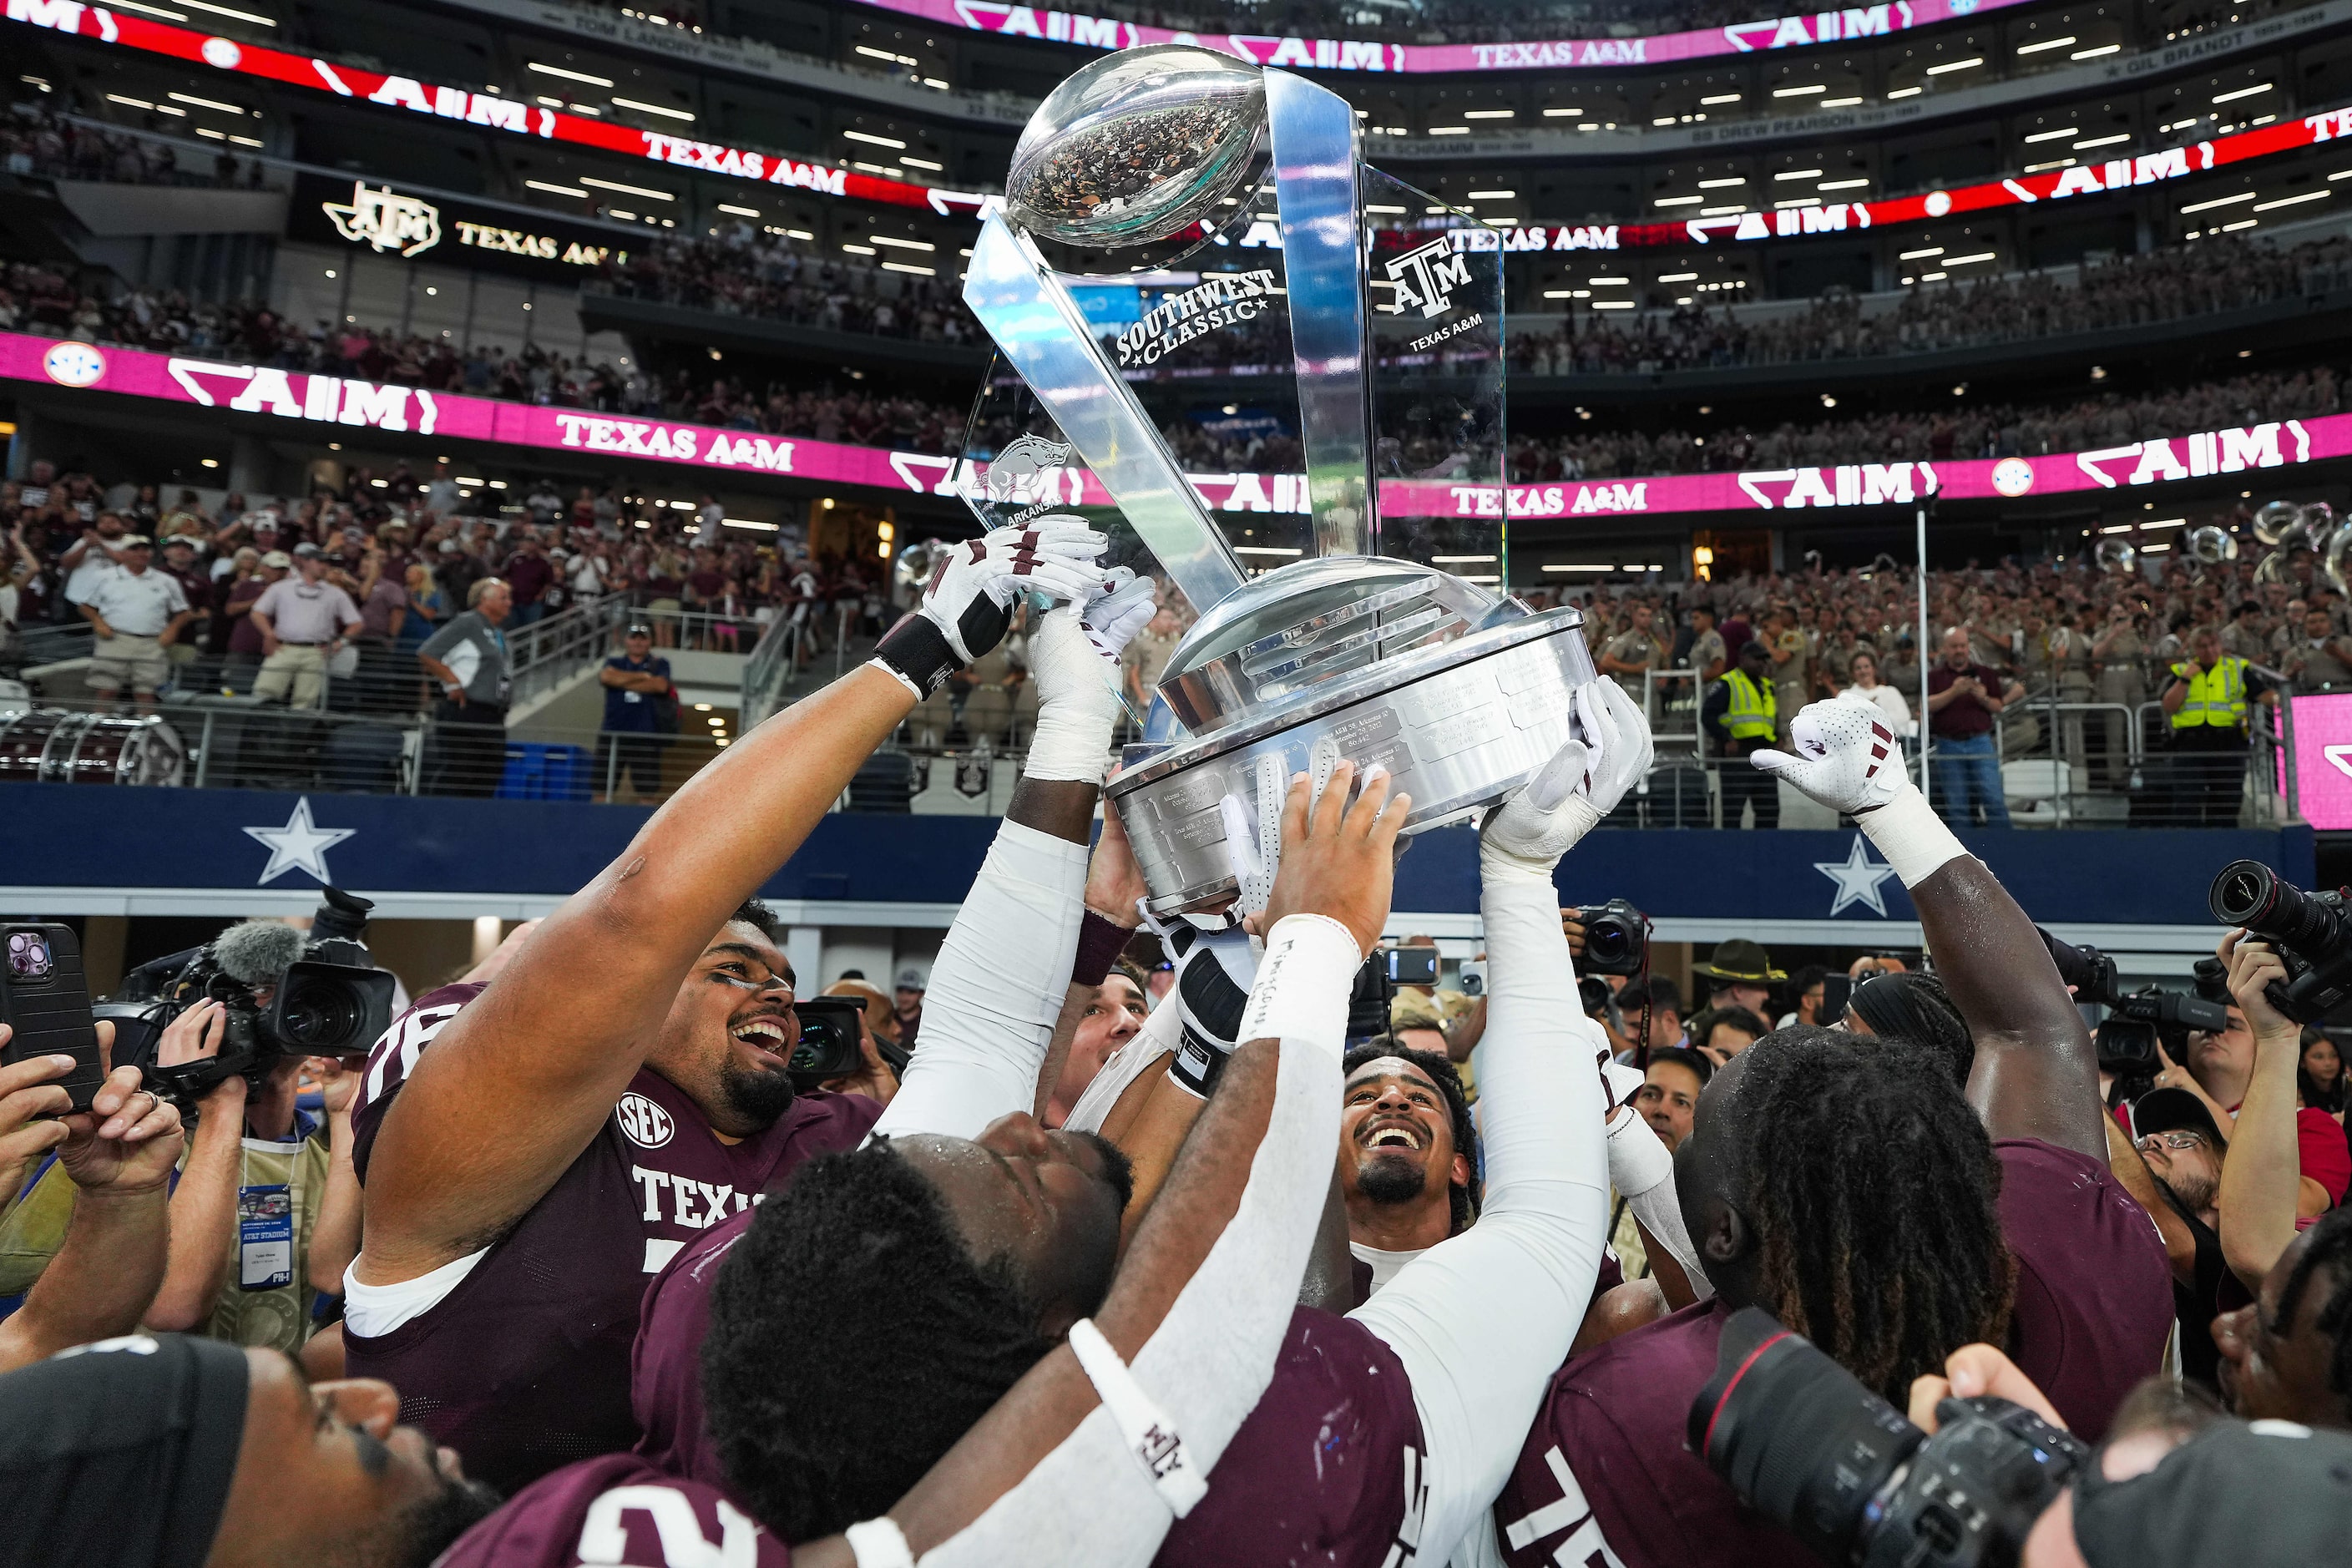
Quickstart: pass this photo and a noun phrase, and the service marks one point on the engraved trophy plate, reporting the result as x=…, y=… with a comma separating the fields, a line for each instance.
x=1334, y=610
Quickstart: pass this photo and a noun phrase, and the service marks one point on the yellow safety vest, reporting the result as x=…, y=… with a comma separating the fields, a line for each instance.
x=1753, y=710
x=2216, y=698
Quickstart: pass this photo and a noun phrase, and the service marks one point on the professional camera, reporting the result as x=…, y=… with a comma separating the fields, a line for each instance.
x=2307, y=929
x=1616, y=938
x=328, y=999
x=830, y=1043
x=2128, y=1038
x=1804, y=1442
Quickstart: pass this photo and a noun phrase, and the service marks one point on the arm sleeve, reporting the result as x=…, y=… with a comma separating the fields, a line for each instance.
x=1089, y=1503
x=1642, y=1170
x=1481, y=1321
x=996, y=989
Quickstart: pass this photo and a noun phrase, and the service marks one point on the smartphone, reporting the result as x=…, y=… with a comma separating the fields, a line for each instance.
x=1411, y=965
x=44, y=1001
x=1836, y=991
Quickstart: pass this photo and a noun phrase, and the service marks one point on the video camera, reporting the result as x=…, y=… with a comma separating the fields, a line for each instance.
x=327, y=999
x=1616, y=938
x=1805, y=1444
x=2308, y=930
x=2126, y=1039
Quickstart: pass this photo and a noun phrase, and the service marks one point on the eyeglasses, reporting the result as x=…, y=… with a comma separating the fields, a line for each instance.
x=2182, y=1140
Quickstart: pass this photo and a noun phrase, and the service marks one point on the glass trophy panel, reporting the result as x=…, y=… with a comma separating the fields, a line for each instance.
x=1436, y=320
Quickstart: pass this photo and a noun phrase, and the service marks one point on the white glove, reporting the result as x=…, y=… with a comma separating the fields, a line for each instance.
x=1214, y=972
x=968, y=604
x=1841, y=754
x=1844, y=755
x=1075, y=658
x=1585, y=779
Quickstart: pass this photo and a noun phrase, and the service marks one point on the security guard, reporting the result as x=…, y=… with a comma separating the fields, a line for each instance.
x=1741, y=714
x=2207, y=701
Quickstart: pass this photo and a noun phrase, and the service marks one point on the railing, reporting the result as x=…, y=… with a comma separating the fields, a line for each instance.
x=50, y=643
x=770, y=669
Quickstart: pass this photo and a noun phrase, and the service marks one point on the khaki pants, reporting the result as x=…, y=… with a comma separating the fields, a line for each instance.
x=121, y=660
x=305, y=668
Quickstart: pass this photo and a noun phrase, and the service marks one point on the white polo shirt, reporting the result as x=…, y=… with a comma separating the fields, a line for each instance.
x=138, y=604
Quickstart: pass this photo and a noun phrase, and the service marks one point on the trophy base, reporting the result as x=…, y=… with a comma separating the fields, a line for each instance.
x=1458, y=725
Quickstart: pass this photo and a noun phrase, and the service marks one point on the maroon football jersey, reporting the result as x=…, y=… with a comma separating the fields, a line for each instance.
x=1327, y=1468
x=1605, y=1475
x=524, y=1365
x=617, y=1508
x=2094, y=1287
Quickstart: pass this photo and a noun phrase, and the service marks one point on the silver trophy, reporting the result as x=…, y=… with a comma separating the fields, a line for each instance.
x=1211, y=222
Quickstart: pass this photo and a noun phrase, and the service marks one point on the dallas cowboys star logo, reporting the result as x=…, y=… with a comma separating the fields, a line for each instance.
x=1858, y=878
x=300, y=846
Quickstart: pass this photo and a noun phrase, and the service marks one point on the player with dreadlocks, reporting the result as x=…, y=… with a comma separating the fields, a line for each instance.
x=1840, y=1183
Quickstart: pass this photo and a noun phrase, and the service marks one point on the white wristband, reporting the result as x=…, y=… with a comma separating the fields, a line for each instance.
x=880, y=1543
x=1914, y=839
x=1143, y=1426
x=1303, y=985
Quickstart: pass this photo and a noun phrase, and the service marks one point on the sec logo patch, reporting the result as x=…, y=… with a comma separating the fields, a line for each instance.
x=71, y=363
x=643, y=1122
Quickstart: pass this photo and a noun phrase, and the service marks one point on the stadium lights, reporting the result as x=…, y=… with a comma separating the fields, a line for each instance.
x=895, y=242
x=2055, y=135
x=2219, y=202
x=1797, y=174
x=1573, y=566
x=858, y=249
x=1677, y=200
x=1839, y=102
x=1844, y=185
x=1950, y=66
x=2087, y=145
x=567, y=75
x=2293, y=201
x=1573, y=113
x=626, y=190
x=1678, y=277
x=1489, y=113
x=2243, y=92
x=257, y=21
x=1965, y=260
x=2094, y=54
x=1719, y=184
x=206, y=102
x=2047, y=43
x=738, y=212
x=653, y=109
x=1718, y=97
x=1801, y=91
x=1905, y=92
x=867, y=136
x=1449, y=131
x=1492, y=195
x=150, y=10
x=924, y=164
x=910, y=267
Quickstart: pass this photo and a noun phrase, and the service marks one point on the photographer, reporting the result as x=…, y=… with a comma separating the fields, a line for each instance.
x=2220, y=1069
x=115, y=1161
x=623, y=1085
x=266, y=1189
x=2268, y=1191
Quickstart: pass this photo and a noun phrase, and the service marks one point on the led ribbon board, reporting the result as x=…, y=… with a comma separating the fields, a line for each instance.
x=336, y=404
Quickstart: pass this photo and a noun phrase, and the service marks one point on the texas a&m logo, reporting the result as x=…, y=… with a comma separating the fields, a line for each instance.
x=1428, y=276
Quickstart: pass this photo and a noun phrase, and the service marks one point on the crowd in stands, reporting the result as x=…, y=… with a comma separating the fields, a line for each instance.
x=2203, y=278
x=741, y=271
x=35, y=141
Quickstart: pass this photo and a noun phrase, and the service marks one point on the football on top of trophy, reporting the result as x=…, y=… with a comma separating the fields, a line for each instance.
x=1135, y=145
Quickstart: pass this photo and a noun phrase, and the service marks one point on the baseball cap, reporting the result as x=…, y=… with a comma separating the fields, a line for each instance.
x=640, y=629
x=134, y=541
x=179, y=539
x=277, y=558
x=2171, y=1110
x=306, y=548
x=910, y=979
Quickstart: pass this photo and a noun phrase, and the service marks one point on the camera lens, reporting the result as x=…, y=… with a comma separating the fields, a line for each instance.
x=1607, y=941
x=2250, y=894
x=1797, y=1434
x=318, y=1017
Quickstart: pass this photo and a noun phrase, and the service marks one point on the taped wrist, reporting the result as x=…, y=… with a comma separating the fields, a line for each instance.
x=1914, y=839
x=1100, y=942
x=1071, y=739
x=1303, y=985
x=880, y=1543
